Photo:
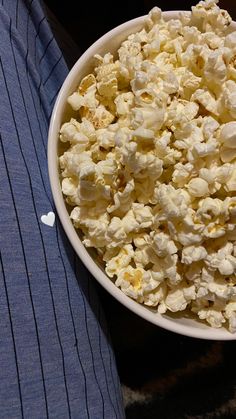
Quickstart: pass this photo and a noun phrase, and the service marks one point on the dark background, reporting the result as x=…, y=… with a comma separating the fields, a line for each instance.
x=87, y=20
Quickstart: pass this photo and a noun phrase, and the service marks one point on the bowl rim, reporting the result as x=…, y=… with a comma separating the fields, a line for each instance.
x=199, y=330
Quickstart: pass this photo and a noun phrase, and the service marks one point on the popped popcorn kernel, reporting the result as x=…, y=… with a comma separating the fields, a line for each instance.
x=198, y=187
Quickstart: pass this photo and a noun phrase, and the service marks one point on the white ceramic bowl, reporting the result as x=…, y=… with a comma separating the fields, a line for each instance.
x=110, y=43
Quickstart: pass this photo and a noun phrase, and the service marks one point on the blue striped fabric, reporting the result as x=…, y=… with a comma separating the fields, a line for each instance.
x=55, y=357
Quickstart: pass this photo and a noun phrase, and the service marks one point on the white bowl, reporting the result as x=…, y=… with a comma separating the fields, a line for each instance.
x=110, y=43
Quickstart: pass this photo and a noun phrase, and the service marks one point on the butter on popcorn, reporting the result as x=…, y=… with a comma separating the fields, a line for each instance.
x=150, y=164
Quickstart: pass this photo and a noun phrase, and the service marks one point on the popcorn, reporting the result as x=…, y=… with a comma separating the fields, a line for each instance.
x=69, y=186
x=85, y=95
x=95, y=228
x=70, y=131
x=87, y=83
x=209, y=127
x=192, y=254
x=223, y=260
x=173, y=202
x=228, y=135
x=108, y=86
x=198, y=187
x=214, y=317
x=130, y=280
x=206, y=99
x=136, y=283
x=227, y=267
x=148, y=117
x=156, y=298
x=182, y=174
x=149, y=165
x=122, y=199
x=124, y=103
x=143, y=215
x=206, y=15
x=230, y=41
x=230, y=184
x=120, y=261
x=163, y=245
x=230, y=314
x=99, y=116
x=176, y=301
x=227, y=154
x=215, y=70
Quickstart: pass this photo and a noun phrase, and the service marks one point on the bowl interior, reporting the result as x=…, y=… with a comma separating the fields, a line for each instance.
x=179, y=323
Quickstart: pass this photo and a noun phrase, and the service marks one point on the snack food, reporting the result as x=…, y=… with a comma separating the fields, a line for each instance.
x=151, y=169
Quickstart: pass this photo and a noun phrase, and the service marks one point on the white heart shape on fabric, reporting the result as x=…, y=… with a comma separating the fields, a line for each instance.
x=48, y=219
